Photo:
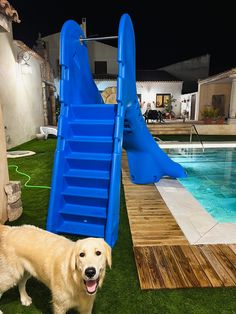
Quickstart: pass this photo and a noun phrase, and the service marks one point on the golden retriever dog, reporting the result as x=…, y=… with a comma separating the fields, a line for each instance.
x=71, y=270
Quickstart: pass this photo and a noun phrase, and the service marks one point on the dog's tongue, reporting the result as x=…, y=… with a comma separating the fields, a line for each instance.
x=91, y=286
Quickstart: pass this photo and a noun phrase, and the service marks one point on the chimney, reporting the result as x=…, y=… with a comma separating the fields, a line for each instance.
x=84, y=26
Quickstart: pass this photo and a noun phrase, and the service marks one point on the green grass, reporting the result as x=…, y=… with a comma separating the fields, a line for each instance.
x=121, y=293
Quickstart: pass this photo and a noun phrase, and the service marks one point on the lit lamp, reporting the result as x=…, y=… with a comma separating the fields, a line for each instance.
x=23, y=58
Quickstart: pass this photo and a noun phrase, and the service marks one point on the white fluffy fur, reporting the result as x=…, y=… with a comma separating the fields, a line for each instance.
x=54, y=260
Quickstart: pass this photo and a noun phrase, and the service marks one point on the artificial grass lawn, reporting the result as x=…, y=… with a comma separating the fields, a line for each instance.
x=120, y=293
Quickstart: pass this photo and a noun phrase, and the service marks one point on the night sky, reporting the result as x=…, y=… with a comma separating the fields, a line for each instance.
x=172, y=32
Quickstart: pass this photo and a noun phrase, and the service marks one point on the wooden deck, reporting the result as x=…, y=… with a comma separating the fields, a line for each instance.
x=170, y=128
x=164, y=258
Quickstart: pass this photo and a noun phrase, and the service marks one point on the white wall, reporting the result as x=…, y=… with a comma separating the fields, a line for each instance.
x=96, y=51
x=186, y=104
x=148, y=90
x=101, y=52
x=4, y=178
x=20, y=93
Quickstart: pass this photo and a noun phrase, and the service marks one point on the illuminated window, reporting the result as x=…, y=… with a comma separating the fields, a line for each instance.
x=162, y=100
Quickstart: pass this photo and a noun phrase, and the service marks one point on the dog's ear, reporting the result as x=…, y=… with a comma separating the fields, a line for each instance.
x=73, y=262
x=108, y=253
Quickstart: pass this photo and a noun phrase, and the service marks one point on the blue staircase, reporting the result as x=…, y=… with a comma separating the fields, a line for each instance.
x=85, y=178
x=85, y=194
x=85, y=161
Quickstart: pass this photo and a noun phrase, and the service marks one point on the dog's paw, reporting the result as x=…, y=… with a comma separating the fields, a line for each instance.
x=26, y=301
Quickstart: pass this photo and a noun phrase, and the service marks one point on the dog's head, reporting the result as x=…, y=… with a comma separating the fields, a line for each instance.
x=89, y=258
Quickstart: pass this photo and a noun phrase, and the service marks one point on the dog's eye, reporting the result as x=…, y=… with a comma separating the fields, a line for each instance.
x=82, y=254
x=98, y=253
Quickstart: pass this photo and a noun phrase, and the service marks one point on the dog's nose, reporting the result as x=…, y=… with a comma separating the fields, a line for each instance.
x=90, y=272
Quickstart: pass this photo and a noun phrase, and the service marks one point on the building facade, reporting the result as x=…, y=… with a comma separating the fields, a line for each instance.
x=102, y=57
x=25, y=84
x=218, y=92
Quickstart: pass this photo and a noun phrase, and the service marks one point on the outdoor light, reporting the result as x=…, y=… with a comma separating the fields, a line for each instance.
x=23, y=57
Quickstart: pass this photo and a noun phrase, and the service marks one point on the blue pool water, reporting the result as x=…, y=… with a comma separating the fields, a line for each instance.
x=211, y=179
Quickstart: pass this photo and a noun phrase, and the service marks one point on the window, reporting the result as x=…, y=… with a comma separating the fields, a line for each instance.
x=162, y=100
x=218, y=103
x=100, y=67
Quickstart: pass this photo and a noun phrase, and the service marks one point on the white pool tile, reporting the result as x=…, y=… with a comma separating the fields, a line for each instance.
x=221, y=233
x=196, y=223
x=196, y=144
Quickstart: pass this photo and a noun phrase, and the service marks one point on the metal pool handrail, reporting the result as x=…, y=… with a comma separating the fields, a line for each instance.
x=191, y=135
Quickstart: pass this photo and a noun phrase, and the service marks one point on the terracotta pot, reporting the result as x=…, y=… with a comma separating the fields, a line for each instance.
x=207, y=121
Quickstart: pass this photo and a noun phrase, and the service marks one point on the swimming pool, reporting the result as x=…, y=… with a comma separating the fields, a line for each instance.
x=211, y=179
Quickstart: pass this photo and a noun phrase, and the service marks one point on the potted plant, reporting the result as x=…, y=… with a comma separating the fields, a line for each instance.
x=168, y=108
x=209, y=114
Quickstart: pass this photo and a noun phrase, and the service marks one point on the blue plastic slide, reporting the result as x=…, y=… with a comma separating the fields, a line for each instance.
x=85, y=194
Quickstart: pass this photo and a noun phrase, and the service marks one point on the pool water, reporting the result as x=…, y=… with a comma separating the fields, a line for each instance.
x=211, y=179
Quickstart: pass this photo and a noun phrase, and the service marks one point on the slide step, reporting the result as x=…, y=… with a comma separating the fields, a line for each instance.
x=93, y=112
x=90, y=139
x=87, y=211
x=86, y=192
x=92, y=122
x=86, y=229
x=91, y=144
x=90, y=174
x=90, y=156
x=89, y=161
x=87, y=128
x=87, y=178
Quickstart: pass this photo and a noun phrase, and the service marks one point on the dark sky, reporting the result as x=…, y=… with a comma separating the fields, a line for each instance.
x=170, y=32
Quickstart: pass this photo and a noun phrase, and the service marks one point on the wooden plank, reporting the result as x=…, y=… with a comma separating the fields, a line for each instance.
x=140, y=243
x=148, y=271
x=157, y=129
x=227, y=250
x=164, y=268
x=233, y=247
x=207, y=267
x=163, y=256
x=196, y=267
x=151, y=221
x=173, y=267
x=184, y=267
x=145, y=279
x=222, y=253
x=153, y=269
x=217, y=266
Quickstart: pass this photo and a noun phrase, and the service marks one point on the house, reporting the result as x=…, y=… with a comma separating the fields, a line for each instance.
x=102, y=57
x=190, y=71
x=23, y=93
x=154, y=88
x=7, y=15
x=219, y=92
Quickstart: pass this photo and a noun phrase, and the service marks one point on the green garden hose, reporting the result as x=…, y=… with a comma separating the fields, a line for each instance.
x=29, y=178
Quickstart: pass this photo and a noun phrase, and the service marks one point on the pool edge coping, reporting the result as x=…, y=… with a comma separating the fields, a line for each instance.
x=197, y=224
x=196, y=145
